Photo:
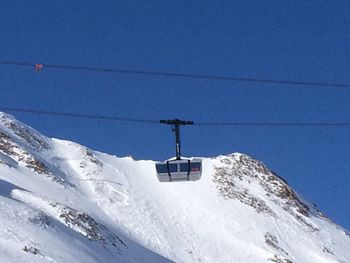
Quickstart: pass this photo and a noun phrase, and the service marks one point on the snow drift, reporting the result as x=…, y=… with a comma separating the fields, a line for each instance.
x=63, y=202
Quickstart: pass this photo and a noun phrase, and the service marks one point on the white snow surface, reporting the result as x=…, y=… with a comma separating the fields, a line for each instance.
x=63, y=202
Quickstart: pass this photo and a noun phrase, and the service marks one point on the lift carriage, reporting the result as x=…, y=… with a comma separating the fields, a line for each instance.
x=178, y=169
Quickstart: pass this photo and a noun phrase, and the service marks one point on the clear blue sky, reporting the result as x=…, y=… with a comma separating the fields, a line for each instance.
x=286, y=40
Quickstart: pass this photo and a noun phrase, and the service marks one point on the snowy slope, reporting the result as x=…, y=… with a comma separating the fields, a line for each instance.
x=62, y=202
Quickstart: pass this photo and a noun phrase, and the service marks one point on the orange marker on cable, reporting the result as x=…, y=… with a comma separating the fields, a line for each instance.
x=38, y=67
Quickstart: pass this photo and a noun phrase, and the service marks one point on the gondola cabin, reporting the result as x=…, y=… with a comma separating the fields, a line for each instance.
x=179, y=170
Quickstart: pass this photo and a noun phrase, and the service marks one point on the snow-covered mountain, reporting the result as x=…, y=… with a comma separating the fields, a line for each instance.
x=63, y=202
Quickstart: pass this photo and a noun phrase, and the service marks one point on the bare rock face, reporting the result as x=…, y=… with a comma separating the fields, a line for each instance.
x=52, y=215
x=238, y=172
x=24, y=133
x=24, y=145
x=279, y=259
x=249, y=170
x=87, y=226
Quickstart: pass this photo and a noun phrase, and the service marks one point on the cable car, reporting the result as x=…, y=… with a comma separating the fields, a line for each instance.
x=178, y=169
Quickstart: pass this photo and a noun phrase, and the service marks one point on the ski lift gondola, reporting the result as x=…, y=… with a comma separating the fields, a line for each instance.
x=178, y=169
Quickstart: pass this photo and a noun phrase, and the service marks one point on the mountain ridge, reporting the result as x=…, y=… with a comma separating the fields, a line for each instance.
x=63, y=201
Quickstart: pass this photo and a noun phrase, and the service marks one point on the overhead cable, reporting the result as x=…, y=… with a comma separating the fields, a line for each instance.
x=135, y=120
x=178, y=75
x=77, y=115
x=276, y=124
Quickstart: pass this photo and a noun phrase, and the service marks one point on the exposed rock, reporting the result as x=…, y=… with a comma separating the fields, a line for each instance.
x=226, y=186
x=279, y=259
x=272, y=241
x=29, y=135
x=347, y=233
x=32, y=250
x=13, y=150
x=311, y=227
x=328, y=251
x=242, y=168
x=272, y=183
x=87, y=226
x=40, y=219
x=92, y=158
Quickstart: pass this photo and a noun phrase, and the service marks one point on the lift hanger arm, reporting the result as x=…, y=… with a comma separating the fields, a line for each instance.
x=177, y=123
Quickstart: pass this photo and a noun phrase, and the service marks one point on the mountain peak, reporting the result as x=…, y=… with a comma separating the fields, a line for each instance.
x=64, y=202
x=22, y=133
